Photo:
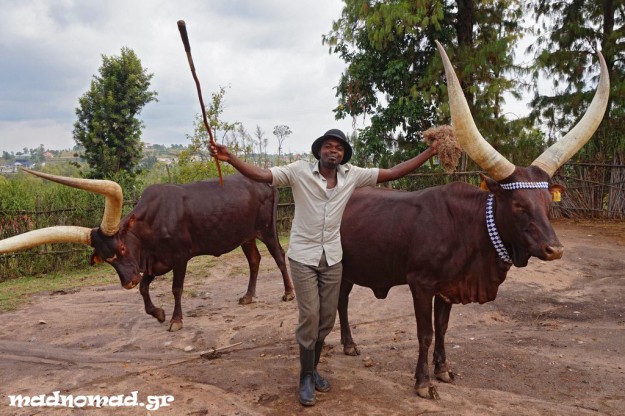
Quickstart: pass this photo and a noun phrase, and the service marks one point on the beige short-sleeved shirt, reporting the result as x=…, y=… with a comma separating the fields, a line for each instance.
x=318, y=210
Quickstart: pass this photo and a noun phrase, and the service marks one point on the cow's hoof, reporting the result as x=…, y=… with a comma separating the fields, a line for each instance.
x=175, y=326
x=288, y=296
x=351, y=350
x=246, y=300
x=427, y=392
x=159, y=314
x=445, y=377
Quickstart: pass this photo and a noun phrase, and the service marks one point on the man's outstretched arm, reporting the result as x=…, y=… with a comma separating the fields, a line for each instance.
x=408, y=166
x=255, y=173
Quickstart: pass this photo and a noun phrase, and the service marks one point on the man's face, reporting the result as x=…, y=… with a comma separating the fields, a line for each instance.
x=331, y=152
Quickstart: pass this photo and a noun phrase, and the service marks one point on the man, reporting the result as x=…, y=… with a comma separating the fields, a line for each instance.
x=321, y=191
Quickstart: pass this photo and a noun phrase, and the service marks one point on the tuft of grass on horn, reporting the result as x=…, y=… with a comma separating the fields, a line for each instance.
x=449, y=149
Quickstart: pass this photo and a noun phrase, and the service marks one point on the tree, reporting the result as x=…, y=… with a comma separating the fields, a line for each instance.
x=7, y=156
x=568, y=38
x=394, y=77
x=36, y=154
x=240, y=141
x=281, y=132
x=195, y=162
x=261, y=141
x=108, y=126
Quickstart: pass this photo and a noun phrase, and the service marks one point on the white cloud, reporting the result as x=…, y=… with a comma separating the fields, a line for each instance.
x=269, y=53
x=17, y=135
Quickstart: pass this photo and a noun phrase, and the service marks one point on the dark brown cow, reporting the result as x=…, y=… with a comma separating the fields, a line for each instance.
x=170, y=225
x=440, y=242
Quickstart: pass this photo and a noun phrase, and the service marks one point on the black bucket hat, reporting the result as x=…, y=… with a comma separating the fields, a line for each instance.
x=333, y=134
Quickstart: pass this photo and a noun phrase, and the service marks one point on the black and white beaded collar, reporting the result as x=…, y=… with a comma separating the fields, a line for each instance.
x=490, y=217
x=524, y=185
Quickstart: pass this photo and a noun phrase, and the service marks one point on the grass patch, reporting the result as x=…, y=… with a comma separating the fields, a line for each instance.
x=16, y=292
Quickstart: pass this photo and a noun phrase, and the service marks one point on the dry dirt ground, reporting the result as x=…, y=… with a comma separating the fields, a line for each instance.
x=552, y=343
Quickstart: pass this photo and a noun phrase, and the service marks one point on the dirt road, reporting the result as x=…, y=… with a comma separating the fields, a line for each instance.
x=552, y=343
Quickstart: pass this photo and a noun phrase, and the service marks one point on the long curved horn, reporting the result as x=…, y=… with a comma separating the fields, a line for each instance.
x=478, y=149
x=111, y=190
x=562, y=150
x=58, y=234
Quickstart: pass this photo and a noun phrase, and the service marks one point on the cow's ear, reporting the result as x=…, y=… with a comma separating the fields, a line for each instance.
x=489, y=184
x=95, y=259
x=128, y=224
x=556, y=190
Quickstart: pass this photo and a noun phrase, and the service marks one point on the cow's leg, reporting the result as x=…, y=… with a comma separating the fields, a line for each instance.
x=425, y=333
x=150, y=309
x=442, y=310
x=253, y=260
x=277, y=252
x=349, y=346
x=175, y=324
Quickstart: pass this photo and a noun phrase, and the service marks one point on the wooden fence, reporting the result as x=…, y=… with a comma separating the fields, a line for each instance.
x=593, y=191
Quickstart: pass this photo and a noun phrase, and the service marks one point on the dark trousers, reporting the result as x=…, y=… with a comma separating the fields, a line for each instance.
x=317, y=293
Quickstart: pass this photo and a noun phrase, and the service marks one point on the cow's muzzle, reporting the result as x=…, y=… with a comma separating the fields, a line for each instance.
x=553, y=252
x=133, y=282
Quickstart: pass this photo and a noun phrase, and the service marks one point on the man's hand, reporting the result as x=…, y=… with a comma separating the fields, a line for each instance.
x=434, y=146
x=220, y=152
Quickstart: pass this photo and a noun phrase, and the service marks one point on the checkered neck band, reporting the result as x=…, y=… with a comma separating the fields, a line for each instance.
x=492, y=231
x=524, y=185
x=490, y=217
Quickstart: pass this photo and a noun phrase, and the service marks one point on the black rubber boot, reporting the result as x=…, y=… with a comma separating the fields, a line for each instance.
x=321, y=384
x=306, y=376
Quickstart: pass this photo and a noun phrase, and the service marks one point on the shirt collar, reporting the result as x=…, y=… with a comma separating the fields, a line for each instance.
x=342, y=170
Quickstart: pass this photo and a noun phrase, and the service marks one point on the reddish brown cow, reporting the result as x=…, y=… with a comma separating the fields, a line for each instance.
x=455, y=243
x=170, y=225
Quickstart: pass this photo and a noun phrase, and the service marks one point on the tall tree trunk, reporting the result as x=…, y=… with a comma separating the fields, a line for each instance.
x=607, y=45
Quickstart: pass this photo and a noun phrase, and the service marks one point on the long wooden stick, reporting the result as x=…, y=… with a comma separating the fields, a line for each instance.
x=214, y=352
x=182, y=27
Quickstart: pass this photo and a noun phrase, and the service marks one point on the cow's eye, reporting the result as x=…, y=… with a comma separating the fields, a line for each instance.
x=518, y=208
